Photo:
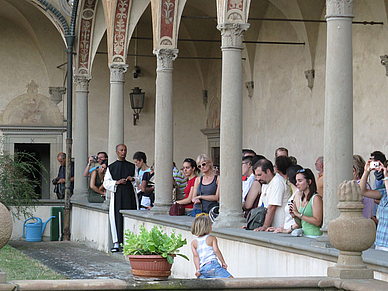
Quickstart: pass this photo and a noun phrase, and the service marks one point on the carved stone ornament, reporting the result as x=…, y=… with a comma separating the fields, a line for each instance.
x=339, y=8
x=250, y=86
x=232, y=34
x=56, y=94
x=117, y=72
x=81, y=83
x=310, y=76
x=351, y=233
x=384, y=62
x=165, y=58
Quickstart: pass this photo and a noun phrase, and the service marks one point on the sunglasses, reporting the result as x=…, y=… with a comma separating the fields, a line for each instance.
x=202, y=165
x=301, y=171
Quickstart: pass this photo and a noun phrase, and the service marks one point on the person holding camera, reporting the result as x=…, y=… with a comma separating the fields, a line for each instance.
x=59, y=182
x=99, y=158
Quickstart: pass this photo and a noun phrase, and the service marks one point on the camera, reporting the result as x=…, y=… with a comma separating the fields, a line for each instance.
x=291, y=202
x=55, y=181
x=374, y=165
x=95, y=158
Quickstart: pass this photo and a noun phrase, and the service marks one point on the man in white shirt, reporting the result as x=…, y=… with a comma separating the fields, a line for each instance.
x=274, y=195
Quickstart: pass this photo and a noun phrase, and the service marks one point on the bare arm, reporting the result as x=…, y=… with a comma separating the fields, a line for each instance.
x=188, y=199
x=195, y=257
x=271, y=209
x=374, y=194
x=195, y=193
x=253, y=193
x=93, y=183
x=212, y=241
x=317, y=217
x=215, y=197
x=87, y=168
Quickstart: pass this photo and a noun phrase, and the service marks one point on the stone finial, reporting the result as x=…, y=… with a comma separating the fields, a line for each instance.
x=351, y=233
x=310, y=76
x=384, y=62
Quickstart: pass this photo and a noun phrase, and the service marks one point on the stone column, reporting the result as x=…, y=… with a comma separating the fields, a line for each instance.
x=81, y=135
x=164, y=130
x=231, y=125
x=338, y=129
x=116, y=108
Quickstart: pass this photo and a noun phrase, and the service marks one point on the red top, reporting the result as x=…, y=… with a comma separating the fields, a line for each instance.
x=190, y=184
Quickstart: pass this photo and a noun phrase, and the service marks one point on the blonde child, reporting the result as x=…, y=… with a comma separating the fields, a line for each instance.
x=206, y=251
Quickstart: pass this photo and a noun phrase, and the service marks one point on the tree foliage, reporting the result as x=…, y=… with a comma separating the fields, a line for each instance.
x=18, y=179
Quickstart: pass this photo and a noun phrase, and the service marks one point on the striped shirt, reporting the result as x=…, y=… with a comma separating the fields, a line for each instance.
x=205, y=252
x=179, y=179
x=382, y=227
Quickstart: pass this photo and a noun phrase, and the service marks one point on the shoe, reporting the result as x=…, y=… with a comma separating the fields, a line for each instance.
x=114, y=250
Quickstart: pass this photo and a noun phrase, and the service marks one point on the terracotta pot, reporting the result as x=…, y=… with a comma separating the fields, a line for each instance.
x=150, y=266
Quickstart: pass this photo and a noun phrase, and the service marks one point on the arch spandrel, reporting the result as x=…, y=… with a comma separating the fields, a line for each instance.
x=32, y=109
x=166, y=15
x=233, y=11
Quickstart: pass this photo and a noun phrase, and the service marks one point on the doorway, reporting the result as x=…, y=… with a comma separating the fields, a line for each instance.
x=42, y=153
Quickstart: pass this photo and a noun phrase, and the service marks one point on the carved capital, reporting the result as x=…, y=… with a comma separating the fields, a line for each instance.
x=232, y=34
x=165, y=58
x=81, y=83
x=310, y=76
x=117, y=72
x=339, y=8
x=56, y=94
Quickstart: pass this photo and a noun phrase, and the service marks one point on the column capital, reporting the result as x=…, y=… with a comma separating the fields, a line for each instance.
x=56, y=94
x=165, y=58
x=339, y=8
x=117, y=72
x=82, y=83
x=232, y=34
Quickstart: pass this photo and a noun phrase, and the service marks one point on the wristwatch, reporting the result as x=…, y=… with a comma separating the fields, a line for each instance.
x=292, y=228
x=300, y=217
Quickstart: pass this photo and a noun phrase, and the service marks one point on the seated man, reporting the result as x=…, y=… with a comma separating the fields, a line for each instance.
x=251, y=189
x=274, y=194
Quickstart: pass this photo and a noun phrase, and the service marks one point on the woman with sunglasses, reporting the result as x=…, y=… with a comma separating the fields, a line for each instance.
x=191, y=171
x=381, y=241
x=206, y=190
x=307, y=208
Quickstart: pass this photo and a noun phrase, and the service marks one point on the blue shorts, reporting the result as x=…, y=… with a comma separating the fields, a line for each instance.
x=213, y=269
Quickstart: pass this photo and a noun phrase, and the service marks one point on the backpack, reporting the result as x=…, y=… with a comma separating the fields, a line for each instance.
x=256, y=218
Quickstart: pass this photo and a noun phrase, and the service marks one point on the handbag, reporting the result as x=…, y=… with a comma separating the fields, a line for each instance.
x=177, y=209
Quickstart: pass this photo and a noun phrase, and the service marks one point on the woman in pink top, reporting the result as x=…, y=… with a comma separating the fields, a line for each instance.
x=190, y=170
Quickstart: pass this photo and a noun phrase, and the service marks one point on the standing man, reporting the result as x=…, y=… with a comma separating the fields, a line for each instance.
x=117, y=181
x=274, y=194
x=61, y=157
x=319, y=168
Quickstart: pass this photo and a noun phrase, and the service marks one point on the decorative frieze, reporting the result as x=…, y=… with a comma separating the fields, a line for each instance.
x=81, y=83
x=339, y=8
x=232, y=34
x=120, y=30
x=117, y=72
x=165, y=58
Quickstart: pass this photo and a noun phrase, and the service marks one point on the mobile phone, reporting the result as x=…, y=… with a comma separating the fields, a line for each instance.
x=374, y=165
x=291, y=202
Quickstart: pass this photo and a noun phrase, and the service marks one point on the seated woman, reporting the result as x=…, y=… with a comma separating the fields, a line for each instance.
x=190, y=170
x=358, y=171
x=289, y=222
x=251, y=188
x=307, y=208
x=97, y=191
x=206, y=191
x=381, y=241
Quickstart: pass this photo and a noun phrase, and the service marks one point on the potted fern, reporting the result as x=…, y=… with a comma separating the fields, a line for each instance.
x=151, y=253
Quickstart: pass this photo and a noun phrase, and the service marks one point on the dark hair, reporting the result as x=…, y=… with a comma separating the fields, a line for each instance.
x=378, y=156
x=291, y=173
x=104, y=153
x=282, y=149
x=248, y=151
x=247, y=159
x=105, y=162
x=308, y=175
x=264, y=164
x=192, y=163
x=140, y=156
x=282, y=164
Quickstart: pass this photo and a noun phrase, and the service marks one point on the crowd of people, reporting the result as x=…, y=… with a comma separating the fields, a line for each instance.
x=290, y=193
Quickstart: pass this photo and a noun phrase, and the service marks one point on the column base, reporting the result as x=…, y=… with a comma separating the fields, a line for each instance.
x=229, y=219
x=160, y=209
x=350, y=273
x=323, y=240
x=80, y=196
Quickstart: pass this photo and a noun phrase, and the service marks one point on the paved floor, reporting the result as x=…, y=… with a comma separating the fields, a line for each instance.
x=75, y=260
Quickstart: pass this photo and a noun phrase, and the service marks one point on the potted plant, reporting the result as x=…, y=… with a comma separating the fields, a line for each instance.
x=151, y=253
